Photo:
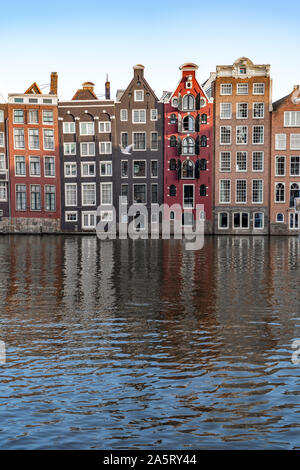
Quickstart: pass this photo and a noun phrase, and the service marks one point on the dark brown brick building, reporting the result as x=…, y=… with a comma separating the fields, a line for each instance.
x=4, y=173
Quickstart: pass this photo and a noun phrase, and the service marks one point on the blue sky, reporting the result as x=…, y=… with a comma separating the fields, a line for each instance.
x=84, y=40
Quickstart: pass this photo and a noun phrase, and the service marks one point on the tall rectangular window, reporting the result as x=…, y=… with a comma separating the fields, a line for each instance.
x=225, y=135
x=258, y=135
x=139, y=193
x=279, y=165
x=257, y=161
x=242, y=110
x=2, y=142
x=295, y=142
x=154, y=168
x=258, y=110
x=20, y=167
x=2, y=161
x=257, y=191
x=50, y=198
x=225, y=191
x=124, y=139
x=139, y=168
x=106, y=193
x=241, y=191
x=241, y=135
x=225, y=161
x=18, y=116
x=124, y=193
x=33, y=116
x=241, y=161
x=295, y=165
x=71, y=194
x=225, y=111
x=33, y=139
x=139, y=141
x=124, y=115
x=19, y=142
x=154, y=193
x=48, y=139
x=3, y=191
x=88, y=194
x=34, y=166
x=20, y=197
x=280, y=141
x=154, y=141
x=124, y=169
x=35, y=197
x=48, y=116
x=49, y=166
x=188, y=196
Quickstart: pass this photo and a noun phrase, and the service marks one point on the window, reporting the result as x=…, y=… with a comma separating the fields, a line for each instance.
x=34, y=166
x=242, y=70
x=188, y=146
x=241, y=191
x=106, y=193
x=35, y=197
x=257, y=161
x=258, y=135
x=105, y=147
x=88, y=191
x=257, y=191
x=48, y=139
x=33, y=116
x=124, y=115
x=173, y=119
x=223, y=220
x=154, y=168
x=2, y=162
x=2, y=139
x=87, y=169
x=71, y=216
x=21, y=197
x=139, y=141
x=154, y=193
x=69, y=128
x=124, y=193
x=258, y=110
x=48, y=117
x=294, y=221
x=138, y=95
x=280, y=165
x=241, y=161
x=49, y=163
x=87, y=128
x=279, y=192
x=187, y=169
x=3, y=191
x=203, y=118
x=1, y=115
x=295, y=142
x=70, y=148
x=87, y=149
x=104, y=126
x=258, y=88
x=18, y=100
x=124, y=169
x=295, y=165
x=106, y=168
x=50, y=198
x=242, y=88
x=242, y=110
x=32, y=100
x=70, y=170
x=20, y=167
x=174, y=102
x=124, y=139
x=19, y=142
x=34, y=139
x=292, y=119
x=294, y=193
x=172, y=164
x=203, y=164
x=88, y=219
x=188, y=123
x=172, y=190
x=203, y=141
x=279, y=217
x=139, y=168
x=18, y=116
x=280, y=141
x=188, y=195
x=225, y=135
x=224, y=191
x=172, y=215
x=241, y=220
x=153, y=114
x=139, y=115
x=225, y=111
x=226, y=89
x=225, y=161
x=188, y=103
x=154, y=141
x=71, y=194
x=47, y=101
x=202, y=190
x=241, y=135
x=258, y=220
x=139, y=193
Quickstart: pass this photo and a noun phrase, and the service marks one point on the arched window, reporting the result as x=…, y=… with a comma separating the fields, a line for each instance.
x=188, y=146
x=294, y=192
x=172, y=190
x=188, y=103
x=173, y=119
x=188, y=123
x=203, y=141
x=175, y=102
x=172, y=164
x=203, y=164
x=187, y=169
x=202, y=190
x=173, y=141
x=279, y=192
x=280, y=217
x=204, y=118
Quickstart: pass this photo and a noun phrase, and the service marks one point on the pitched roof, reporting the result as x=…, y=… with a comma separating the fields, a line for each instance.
x=33, y=90
x=277, y=103
x=84, y=94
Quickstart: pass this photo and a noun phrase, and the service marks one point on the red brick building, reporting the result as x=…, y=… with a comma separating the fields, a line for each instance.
x=188, y=145
x=285, y=164
x=34, y=167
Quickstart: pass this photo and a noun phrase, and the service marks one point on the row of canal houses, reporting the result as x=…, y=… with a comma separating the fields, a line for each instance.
x=222, y=144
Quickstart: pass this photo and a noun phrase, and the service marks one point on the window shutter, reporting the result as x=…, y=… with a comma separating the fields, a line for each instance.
x=197, y=169
x=179, y=102
x=179, y=146
x=198, y=101
x=179, y=123
x=197, y=125
x=178, y=169
x=197, y=145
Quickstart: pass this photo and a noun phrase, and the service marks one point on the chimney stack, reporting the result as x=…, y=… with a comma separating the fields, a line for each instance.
x=53, y=83
x=107, y=88
x=296, y=87
x=88, y=86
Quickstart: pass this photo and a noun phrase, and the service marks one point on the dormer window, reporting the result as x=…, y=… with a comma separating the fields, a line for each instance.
x=138, y=95
x=243, y=70
x=188, y=103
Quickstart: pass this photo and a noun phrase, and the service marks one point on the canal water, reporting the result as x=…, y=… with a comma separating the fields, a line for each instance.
x=144, y=345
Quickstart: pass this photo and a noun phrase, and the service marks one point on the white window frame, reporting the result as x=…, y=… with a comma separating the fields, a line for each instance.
x=225, y=85
x=155, y=112
x=70, y=163
x=237, y=110
x=263, y=115
x=280, y=139
x=292, y=147
x=236, y=162
x=45, y=122
x=263, y=220
x=219, y=214
x=276, y=172
x=2, y=140
x=220, y=162
x=139, y=150
x=298, y=174
x=40, y=173
x=135, y=95
x=106, y=126
x=85, y=123
x=151, y=148
x=95, y=193
x=236, y=191
x=65, y=124
x=89, y=175
x=188, y=207
x=112, y=196
x=263, y=135
x=66, y=144
x=262, y=191
x=227, y=143
x=240, y=227
x=110, y=219
x=228, y=114
x=220, y=189
x=236, y=136
x=88, y=148
x=239, y=86
x=280, y=221
x=125, y=111
x=20, y=176
x=47, y=130
x=275, y=191
x=139, y=111
x=88, y=213
x=71, y=213
x=151, y=168
x=49, y=176
x=288, y=117
x=76, y=192
x=263, y=161
x=139, y=184
x=294, y=215
x=260, y=84
x=105, y=163
x=108, y=148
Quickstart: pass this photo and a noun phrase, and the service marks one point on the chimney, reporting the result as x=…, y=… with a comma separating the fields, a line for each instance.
x=296, y=87
x=88, y=86
x=107, y=88
x=53, y=83
x=139, y=71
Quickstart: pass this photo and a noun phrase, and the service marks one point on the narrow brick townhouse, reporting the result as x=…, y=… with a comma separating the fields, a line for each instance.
x=4, y=174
